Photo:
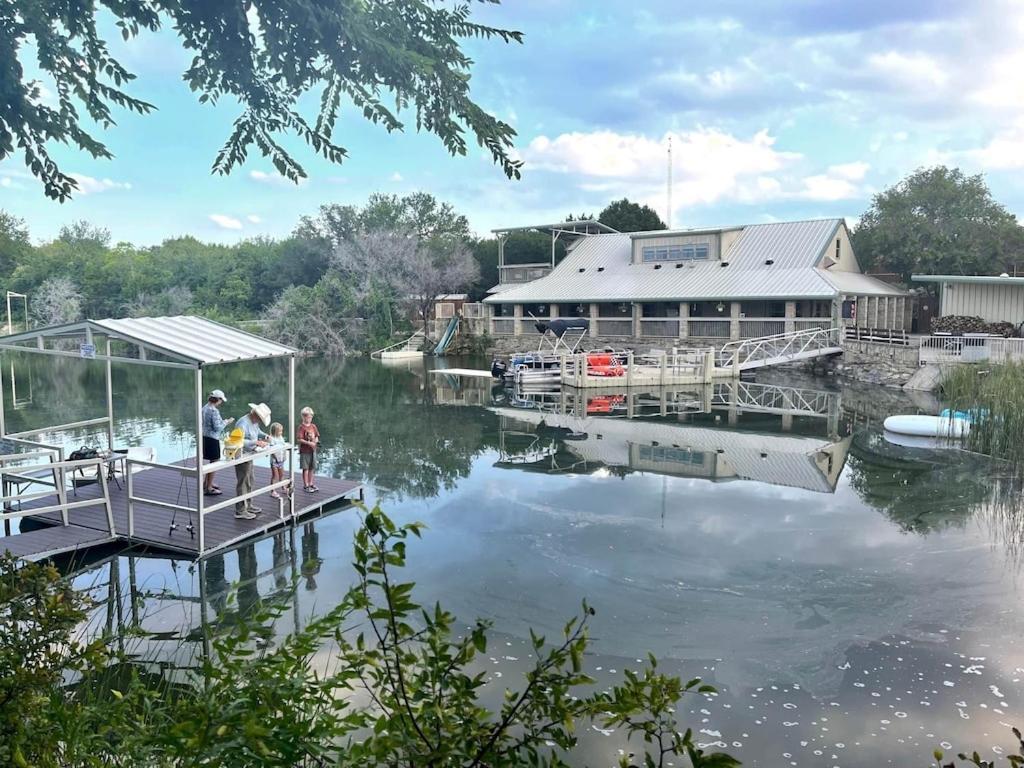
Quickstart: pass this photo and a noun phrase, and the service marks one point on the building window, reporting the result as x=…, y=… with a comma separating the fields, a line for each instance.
x=837, y=249
x=685, y=252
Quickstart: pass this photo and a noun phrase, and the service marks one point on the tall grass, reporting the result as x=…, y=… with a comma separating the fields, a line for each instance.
x=994, y=396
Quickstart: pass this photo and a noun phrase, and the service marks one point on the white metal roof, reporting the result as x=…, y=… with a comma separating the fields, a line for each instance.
x=859, y=284
x=185, y=338
x=790, y=244
x=600, y=269
x=992, y=279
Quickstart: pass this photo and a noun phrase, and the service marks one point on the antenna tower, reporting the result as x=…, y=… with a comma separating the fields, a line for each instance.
x=668, y=213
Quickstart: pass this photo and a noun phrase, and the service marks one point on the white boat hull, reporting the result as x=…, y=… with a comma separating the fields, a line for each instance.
x=928, y=426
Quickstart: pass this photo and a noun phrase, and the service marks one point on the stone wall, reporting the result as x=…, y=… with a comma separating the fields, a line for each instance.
x=883, y=364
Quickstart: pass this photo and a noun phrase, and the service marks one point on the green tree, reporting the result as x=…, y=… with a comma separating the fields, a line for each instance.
x=265, y=55
x=938, y=221
x=626, y=216
x=15, y=246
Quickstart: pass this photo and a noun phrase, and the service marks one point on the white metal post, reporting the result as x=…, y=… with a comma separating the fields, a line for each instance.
x=3, y=416
x=110, y=403
x=291, y=434
x=199, y=457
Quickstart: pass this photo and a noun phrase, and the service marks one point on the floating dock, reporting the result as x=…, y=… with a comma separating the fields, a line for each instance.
x=88, y=526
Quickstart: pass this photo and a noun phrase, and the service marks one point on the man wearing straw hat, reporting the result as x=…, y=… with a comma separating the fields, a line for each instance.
x=253, y=437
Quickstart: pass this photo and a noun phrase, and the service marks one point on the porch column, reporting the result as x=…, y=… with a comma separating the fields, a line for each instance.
x=638, y=313
x=903, y=313
x=594, y=330
x=517, y=313
x=684, y=319
x=789, y=325
x=862, y=311
x=734, y=320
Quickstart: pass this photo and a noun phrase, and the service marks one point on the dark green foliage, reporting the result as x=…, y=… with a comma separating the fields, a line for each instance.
x=38, y=615
x=626, y=216
x=401, y=687
x=382, y=58
x=938, y=221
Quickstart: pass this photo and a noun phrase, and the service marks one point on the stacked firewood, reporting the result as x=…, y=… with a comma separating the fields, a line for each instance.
x=959, y=324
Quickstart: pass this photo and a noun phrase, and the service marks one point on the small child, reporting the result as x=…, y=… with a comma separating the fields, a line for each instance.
x=276, y=456
x=308, y=438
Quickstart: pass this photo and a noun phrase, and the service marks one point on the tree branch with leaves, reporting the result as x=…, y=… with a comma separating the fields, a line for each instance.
x=384, y=59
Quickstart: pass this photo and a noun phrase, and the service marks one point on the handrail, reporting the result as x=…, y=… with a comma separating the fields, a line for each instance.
x=63, y=505
x=56, y=427
x=204, y=469
x=398, y=343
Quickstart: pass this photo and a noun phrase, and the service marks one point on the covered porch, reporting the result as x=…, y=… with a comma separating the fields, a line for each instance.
x=699, y=320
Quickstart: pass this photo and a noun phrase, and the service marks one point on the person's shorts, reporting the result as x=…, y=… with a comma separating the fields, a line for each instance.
x=307, y=460
x=211, y=448
x=276, y=463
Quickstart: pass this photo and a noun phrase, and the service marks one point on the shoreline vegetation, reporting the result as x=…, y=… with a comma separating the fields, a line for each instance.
x=993, y=396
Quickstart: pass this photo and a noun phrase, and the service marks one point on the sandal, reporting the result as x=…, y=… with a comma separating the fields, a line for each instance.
x=214, y=492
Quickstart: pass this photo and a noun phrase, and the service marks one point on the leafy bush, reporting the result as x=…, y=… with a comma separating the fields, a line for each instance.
x=403, y=688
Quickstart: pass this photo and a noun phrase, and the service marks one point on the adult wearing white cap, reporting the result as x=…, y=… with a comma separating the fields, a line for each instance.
x=213, y=428
x=253, y=437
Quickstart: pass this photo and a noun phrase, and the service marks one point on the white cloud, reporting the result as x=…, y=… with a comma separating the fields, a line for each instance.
x=274, y=178
x=1001, y=83
x=6, y=182
x=1004, y=152
x=396, y=176
x=252, y=218
x=915, y=69
x=837, y=183
x=87, y=185
x=225, y=222
x=708, y=164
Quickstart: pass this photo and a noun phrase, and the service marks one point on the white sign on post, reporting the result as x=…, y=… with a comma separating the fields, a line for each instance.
x=88, y=351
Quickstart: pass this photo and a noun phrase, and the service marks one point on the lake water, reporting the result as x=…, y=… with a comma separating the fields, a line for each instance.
x=856, y=603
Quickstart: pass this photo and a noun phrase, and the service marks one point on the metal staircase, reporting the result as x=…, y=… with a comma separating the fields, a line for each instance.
x=410, y=345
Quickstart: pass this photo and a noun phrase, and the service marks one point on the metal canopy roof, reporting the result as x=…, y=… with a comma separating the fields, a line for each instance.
x=990, y=279
x=580, y=227
x=186, y=338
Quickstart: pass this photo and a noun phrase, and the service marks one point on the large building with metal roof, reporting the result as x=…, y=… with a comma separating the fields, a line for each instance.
x=721, y=283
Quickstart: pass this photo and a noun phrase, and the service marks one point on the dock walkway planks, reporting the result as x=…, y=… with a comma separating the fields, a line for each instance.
x=53, y=540
x=152, y=524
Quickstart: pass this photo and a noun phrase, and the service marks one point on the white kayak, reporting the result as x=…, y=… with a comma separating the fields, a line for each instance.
x=928, y=426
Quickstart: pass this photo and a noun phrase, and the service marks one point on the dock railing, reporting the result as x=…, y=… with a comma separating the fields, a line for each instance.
x=59, y=469
x=193, y=474
x=939, y=348
x=696, y=365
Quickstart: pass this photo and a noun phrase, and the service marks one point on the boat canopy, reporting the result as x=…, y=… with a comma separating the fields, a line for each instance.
x=560, y=326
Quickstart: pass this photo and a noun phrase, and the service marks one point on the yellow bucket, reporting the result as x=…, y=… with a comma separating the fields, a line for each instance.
x=233, y=443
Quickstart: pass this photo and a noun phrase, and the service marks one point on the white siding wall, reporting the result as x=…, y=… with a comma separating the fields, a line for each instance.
x=993, y=303
x=847, y=262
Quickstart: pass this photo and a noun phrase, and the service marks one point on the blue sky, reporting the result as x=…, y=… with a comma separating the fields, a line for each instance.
x=776, y=110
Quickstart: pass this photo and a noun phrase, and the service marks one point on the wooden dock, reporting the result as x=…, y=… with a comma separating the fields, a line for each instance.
x=88, y=526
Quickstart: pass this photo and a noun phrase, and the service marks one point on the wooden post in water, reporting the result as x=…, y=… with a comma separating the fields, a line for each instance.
x=629, y=369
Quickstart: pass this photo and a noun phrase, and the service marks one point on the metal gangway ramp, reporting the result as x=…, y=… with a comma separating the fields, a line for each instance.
x=749, y=354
